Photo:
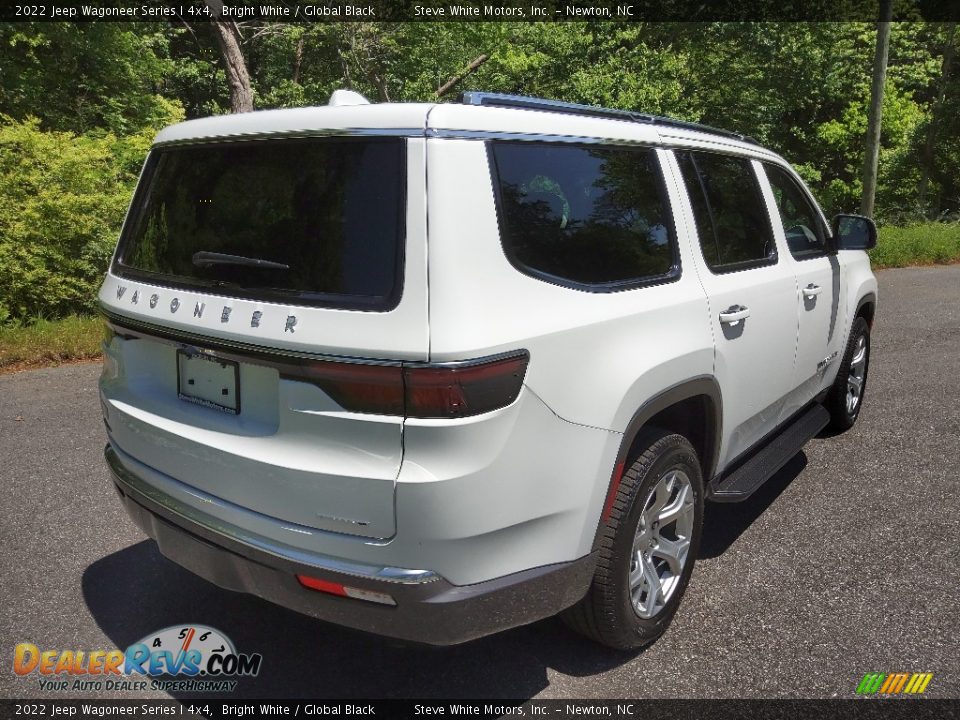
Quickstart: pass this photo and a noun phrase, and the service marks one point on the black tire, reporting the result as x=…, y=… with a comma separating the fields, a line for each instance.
x=841, y=416
x=606, y=614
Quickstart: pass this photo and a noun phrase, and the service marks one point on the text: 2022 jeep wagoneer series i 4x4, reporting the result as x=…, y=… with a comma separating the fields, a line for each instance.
x=438, y=370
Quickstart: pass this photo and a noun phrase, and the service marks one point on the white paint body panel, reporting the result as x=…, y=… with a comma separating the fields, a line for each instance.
x=754, y=358
x=595, y=357
x=475, y=498
x=297, y=122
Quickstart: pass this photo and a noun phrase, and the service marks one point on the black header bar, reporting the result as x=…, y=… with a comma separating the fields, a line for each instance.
x=309, y=11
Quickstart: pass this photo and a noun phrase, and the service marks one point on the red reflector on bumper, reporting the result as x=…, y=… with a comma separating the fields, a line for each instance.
x=321, y=585
x=333, y=588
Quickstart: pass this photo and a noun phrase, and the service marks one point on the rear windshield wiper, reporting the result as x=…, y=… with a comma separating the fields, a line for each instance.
x=206, y=259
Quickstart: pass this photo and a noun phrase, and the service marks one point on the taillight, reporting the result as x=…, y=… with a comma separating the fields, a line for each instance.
x=419, y=391
x=451, y=391
x=357, y=387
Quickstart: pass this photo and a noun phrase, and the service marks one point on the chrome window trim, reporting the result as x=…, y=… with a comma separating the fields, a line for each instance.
x=405, y=132
x=535, y=137
x=664, y=140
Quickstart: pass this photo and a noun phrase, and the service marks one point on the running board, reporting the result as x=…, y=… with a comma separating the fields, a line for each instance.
x=773, y=455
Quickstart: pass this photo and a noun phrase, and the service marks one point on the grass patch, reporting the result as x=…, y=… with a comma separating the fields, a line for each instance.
x=925, y=244
x=50, y=342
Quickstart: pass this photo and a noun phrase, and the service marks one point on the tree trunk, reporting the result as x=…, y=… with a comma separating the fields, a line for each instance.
x=228, y=38
x=383, y=93
x=872, y=155
x=298, y=60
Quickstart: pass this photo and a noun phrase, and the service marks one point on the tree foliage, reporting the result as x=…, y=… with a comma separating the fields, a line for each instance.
x=82, y=77
x=64, y=197
x=82, y=100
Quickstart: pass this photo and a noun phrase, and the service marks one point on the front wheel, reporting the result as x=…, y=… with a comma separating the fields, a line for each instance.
x=846, y=396
x=648, y=547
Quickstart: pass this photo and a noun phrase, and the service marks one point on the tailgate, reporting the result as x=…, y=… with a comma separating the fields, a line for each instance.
x=291, y=453
x=240, y=263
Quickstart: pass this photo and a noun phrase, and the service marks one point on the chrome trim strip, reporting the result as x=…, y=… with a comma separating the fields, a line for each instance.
x=130, y=327
x=191, y=516
x=534, y=137
x=292, y=134
x=250, y=353
x=666, y=140
x=401, y=132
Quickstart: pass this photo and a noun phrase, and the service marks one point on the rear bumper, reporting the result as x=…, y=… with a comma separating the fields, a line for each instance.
x=428, y=609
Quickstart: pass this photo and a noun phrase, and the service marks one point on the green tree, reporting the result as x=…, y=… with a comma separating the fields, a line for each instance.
x=78, y=77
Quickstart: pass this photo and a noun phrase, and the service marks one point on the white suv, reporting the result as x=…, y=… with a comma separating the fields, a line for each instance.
x=434, y=371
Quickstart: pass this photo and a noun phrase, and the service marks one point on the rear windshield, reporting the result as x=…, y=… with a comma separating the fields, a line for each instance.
x=317, y=222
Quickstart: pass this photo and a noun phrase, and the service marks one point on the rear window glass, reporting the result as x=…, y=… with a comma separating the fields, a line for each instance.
x=595, y=218
x=317, y=222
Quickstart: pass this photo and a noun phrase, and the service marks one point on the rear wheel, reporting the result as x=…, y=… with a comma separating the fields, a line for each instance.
x=648, y=547
x=846, y=395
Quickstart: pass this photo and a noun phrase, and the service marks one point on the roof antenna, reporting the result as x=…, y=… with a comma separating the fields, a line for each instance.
x=340, y=98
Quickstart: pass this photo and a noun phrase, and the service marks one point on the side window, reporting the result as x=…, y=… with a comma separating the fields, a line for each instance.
x=802, y=224
x=731, y=216
x=594, y=218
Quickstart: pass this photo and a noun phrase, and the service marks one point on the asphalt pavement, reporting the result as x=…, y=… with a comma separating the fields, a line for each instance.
x=847, y=562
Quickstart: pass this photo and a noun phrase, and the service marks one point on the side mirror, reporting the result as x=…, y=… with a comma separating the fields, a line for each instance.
x=854, y=232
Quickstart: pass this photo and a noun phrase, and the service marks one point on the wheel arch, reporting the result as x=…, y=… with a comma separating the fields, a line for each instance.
x=867, y=308
x=694, y=409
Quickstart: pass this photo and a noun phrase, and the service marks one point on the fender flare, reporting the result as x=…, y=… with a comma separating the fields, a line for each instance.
x=703, y=385
x=868, y=298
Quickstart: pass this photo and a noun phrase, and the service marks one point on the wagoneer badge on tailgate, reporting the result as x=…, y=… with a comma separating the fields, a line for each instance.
x=290, y=323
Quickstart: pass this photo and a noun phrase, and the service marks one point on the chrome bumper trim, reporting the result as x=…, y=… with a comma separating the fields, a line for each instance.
x=188, y=515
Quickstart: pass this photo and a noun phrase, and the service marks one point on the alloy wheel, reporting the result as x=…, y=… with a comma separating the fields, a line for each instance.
x=661, y=543
x=857, y=375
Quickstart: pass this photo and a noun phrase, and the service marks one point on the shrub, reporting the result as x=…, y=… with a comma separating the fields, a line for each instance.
x=921, y=244
x=62, y=201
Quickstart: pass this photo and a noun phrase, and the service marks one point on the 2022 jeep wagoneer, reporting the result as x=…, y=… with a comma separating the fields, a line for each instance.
x=434, y=371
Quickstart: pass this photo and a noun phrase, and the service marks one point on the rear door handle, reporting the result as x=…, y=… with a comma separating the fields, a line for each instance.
x=812, y=290
x=734, y=314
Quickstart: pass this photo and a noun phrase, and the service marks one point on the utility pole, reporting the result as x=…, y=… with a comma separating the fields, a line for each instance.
x=872, y=155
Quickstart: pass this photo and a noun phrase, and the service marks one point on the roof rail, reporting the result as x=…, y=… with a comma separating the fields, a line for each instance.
x=533, y=103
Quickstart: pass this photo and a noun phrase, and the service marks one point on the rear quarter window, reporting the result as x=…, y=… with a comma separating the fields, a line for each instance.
x=588, y=217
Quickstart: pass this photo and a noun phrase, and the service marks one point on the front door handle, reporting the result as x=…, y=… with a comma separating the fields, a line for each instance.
x=812, y=290
x=734, y=314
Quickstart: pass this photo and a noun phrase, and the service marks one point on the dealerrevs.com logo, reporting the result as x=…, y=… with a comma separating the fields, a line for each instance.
x=184, y=658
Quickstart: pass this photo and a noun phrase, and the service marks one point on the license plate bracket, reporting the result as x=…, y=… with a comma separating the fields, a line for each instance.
x=209, y=381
